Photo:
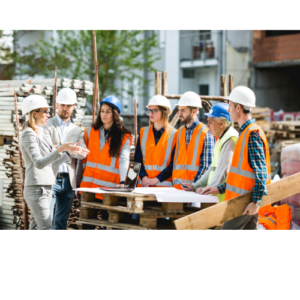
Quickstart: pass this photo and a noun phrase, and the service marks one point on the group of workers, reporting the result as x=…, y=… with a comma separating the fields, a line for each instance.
x=205, y=159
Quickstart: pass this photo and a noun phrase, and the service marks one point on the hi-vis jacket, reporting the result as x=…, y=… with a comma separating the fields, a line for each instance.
x=100, y=169
x=275, y=218
x=157, y=157
x=187, y=159
x=231, y=133
x=241, y=177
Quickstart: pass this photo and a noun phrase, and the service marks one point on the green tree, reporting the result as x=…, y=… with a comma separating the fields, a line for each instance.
x=122, y=55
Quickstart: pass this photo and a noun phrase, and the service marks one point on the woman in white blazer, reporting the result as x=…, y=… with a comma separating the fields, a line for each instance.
x=42, y=161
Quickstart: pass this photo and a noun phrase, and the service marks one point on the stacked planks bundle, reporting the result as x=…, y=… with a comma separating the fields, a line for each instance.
x=115, y=212
x=11, y=214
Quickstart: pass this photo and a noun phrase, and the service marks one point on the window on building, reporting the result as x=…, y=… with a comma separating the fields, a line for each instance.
x=280, y=32
x=188, y=73
x=205, y=34
x=204, y=89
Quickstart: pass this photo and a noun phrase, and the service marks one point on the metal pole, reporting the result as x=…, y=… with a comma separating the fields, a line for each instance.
x=55, y=92
x=24, y=205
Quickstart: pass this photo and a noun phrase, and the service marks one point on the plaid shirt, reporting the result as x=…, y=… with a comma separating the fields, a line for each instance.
x=257, y=161
x=207, y=154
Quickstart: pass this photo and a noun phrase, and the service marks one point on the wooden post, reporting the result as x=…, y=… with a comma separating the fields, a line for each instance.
x=24, y=205
x=230, y=83
x=157, y=83
x=164, y=83
x=135, y=120
x=223, y=86
x=55, y=92
x=96, y=92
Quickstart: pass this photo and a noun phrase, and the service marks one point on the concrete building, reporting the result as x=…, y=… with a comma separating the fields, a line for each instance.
x=194, y=61
x=275, y=68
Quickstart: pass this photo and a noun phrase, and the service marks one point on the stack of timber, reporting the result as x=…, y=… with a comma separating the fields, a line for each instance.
x=11, y=214
x=280, y=135
x=115, y=212
x=14, y=189
x=261, y=116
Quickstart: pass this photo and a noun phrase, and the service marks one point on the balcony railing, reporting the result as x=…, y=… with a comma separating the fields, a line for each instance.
x=197, y=46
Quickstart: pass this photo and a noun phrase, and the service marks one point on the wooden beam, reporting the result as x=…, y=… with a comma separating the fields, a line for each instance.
x=157, y=83
x=230, y=83
x=164, y=83
x=55, y=92
x=24, y=204
x=209, y=98
x=223, y=86
x=233, y=208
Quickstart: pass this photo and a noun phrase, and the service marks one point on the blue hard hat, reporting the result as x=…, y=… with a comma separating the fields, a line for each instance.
x=112, y=101
x=219, y=110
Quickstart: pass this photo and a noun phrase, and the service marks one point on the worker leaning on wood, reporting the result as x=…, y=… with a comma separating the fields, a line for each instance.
x=194, y=144
x=109, y=143
x=250, y=168
x=156, y=145
x=60, y=130
x=219, y=125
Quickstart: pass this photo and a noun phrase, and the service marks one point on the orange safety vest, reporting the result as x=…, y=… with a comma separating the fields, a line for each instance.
x=100, y=169
x=275, y=218
x=187, y=159
x=241, y=177
x=157, y=157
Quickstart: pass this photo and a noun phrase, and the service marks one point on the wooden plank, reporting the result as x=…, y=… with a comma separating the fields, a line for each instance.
x=233, y=208
x=172, y=207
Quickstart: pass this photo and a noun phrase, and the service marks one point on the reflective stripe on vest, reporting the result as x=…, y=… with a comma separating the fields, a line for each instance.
x=100, y=169
x=98, y=182
x=239, y=164
x=231, y=133
x=110, y=168
x=167, y=153
x=193, y=166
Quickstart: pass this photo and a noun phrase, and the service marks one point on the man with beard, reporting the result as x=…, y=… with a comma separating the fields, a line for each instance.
x=60, y=129
x=194, y=144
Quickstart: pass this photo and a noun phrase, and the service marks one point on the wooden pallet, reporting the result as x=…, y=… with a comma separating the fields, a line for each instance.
x=287, y=125
x=118, y=210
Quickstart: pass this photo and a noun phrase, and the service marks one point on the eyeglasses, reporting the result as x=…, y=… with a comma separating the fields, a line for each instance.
x=47, y=112
x=153, y=111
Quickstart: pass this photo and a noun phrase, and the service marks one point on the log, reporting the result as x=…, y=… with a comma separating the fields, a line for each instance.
x=223, y=86
x=164, y=83
x=230, y=83
x=227, y=210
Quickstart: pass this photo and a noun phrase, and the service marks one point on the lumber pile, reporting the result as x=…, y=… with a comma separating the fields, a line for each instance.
x=115, y=212
x=281, y=135
x=11, y=212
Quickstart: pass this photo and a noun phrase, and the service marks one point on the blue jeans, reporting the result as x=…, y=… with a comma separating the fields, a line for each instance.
x=63, y=196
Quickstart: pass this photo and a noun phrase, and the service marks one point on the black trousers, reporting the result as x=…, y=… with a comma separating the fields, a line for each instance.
x=245, y=222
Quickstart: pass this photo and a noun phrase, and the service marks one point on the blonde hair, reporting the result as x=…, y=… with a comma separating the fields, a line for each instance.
x=164, y=117
x=31, y=122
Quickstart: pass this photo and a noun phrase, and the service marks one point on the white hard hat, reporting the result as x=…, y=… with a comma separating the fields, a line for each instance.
x=66, y=96
x=190, y=99
x=242, y=95
x=160, y=101
x=33, y=102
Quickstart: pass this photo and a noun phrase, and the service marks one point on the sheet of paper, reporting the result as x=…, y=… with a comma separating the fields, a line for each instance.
x=163, y=194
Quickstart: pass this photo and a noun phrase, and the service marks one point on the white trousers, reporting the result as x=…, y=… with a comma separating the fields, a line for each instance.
x=38, y=198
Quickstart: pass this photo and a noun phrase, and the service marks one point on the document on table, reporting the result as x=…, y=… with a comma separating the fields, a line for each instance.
x=163, y=194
